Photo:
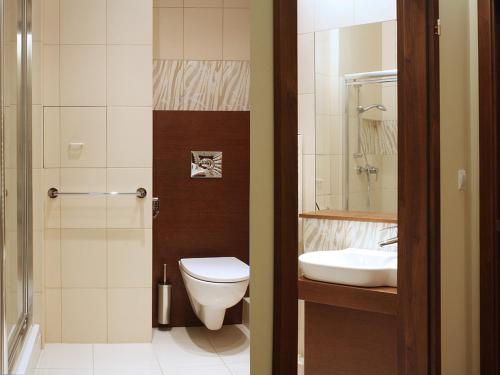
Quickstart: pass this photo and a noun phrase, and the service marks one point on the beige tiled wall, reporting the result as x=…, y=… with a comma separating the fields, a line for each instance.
x=97, y=90
x=202, y=52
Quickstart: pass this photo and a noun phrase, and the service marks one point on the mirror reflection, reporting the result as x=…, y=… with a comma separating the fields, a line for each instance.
x=356, y=118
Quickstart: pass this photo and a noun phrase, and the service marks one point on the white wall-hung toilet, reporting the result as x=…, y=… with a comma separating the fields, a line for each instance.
x=214, y=285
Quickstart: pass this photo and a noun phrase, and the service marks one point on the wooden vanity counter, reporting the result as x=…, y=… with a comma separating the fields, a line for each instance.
x=382, y=300
x=349, y=330
x=365, y=216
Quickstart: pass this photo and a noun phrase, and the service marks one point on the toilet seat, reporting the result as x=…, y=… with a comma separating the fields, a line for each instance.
x=216, y=270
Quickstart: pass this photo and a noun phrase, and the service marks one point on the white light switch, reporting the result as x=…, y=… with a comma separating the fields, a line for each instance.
x=462, y=179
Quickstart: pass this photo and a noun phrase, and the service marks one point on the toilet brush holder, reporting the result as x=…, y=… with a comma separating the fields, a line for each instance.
x=164, y=299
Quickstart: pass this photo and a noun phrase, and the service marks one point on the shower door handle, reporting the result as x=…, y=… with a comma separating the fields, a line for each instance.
x=156, y=207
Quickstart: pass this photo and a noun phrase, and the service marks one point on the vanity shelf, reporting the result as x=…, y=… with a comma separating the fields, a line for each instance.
x=382, y=300
x=365, y=216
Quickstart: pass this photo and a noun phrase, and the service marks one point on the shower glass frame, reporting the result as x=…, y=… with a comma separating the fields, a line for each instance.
x=11, y=344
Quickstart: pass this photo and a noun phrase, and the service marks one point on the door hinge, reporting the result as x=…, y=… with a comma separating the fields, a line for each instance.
x=437, y=27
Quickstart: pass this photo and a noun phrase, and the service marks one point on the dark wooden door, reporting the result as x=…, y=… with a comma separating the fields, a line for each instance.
x=198, y=217
x=489, y=138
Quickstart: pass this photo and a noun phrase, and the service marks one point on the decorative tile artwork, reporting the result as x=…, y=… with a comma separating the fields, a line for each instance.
x=201, y=85
x=321, y=235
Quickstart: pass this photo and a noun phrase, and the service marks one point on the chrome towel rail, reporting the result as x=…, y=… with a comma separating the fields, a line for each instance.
x=140, y=193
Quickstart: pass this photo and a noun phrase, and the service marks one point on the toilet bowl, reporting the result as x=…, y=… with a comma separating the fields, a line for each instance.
x=214, y=285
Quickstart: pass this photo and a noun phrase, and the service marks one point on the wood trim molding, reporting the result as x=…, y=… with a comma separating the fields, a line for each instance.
x=489, y=87
x=363, y=216
x=418, y=188
x=379, y=300
x=285, y=333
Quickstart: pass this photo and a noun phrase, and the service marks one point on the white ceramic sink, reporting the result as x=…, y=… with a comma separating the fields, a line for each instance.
x=357, y=267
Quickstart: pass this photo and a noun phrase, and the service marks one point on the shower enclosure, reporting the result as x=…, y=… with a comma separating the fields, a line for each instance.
x=371, y=144
x=16, y=178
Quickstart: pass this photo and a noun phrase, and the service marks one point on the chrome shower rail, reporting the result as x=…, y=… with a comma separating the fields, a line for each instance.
x=382, y=76
x=139, y=193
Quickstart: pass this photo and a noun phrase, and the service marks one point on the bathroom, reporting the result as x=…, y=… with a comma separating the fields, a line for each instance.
x=126, y=186
x=139, y=187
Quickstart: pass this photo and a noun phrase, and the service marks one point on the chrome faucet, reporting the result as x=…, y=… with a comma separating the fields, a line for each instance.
x=389, y=241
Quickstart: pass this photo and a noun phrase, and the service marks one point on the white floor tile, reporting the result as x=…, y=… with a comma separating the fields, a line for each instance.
x=239, y=368
x=129, y=371
x=124, y=356
x=198, y=370
x=63, y=372
x=66, y=356
x=231, y=344
x=196, y=335
x=181, y=353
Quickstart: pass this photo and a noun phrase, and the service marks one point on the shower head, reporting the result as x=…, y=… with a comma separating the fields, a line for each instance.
x=380, y=107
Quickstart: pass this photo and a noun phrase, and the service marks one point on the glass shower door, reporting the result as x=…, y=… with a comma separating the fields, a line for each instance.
x=16, y=173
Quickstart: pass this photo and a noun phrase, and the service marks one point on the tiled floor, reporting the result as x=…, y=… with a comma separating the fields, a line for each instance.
x=181, y=351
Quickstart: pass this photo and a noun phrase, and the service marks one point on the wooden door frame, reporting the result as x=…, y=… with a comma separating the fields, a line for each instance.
x=489, y=178
x=418, y=186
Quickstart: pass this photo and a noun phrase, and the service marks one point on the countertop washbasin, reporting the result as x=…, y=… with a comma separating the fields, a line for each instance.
x=356, y=267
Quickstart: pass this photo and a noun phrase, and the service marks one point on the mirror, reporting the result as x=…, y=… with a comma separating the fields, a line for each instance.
x=356, y=118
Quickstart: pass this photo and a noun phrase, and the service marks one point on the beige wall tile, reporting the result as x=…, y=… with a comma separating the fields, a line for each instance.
x=129, y=315
x=83, y=254
x=167, y=3
x=332, y=14
x=36, y=73
x=130, y=76
x=52, y=206
x=51, y=22
x=39, y=310
x=38, y=195
x=129, y=258
x=236, y=3
x=130, y=137
x=129, y=211
x=38, y=262
x=306, y=116
x=202, y=34
x=84, y=315
x=85, y=125
x=367, y=11
x=305, y=16
x=37, y=136
x=83, y=211
x=83, y=22
x=130, y=21
x=169, y=33
x=52, y=258
x=36, y=20
x=53, y=315
x=51, y=76
x=309, y=188
x=236, y=38
x=306, y=63
x=51, y=137
x=203, y=3
x=83, y=75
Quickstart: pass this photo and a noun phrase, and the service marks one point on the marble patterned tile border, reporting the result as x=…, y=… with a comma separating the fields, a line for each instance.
x=201, y=85
x=322, y=235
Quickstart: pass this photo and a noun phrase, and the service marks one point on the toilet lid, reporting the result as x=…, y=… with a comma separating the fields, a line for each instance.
x=217, y=270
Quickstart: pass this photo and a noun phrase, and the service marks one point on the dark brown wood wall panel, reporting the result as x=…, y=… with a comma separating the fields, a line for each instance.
x=340, y=341
x=199, y=217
